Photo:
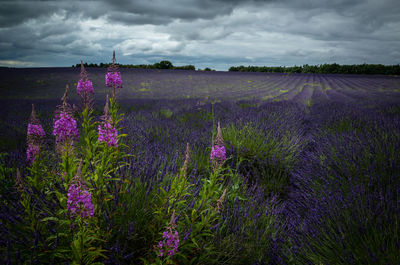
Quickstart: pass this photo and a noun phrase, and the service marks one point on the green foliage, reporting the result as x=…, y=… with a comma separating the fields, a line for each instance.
x=163, y=65
x=6, y=174
x=202, y=159
x=266, y=158
x=196, y=117
x=334, y=68
x=88, y=136
x=166, y=113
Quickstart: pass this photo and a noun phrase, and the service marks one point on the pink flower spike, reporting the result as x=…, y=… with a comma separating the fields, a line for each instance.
x=108, y=134
x=113, y=79
x=65, y=127
x=35, y=130
x=218, y=154
x=84, y=87
x=31, y=153
x=79, y=201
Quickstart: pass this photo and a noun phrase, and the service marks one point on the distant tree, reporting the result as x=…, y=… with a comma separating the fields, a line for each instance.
x=163, y=65
x=324, y=69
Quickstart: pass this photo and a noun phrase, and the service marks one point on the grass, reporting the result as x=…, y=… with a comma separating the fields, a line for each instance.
x=259, y=155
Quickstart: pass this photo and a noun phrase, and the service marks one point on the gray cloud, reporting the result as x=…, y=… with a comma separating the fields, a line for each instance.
x=215, y=32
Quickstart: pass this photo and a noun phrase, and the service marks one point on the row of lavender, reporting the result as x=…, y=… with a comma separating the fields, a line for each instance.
x=314, y=183
x=169, y=84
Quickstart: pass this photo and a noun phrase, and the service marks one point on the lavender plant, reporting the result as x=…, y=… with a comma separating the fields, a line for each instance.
x=296, y=183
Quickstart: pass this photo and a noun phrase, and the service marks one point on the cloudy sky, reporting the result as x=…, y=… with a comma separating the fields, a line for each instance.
x=206, y=33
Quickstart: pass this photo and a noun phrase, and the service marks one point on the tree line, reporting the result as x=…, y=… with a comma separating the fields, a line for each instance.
x=161, y=65
x=369, y=69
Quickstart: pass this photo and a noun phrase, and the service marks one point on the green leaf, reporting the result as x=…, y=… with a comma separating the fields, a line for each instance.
x=50, y=219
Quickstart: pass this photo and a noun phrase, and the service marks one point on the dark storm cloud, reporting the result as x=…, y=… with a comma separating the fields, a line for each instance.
x=14, y=12
x=178, y=9
x=199, y=32
x=137, y=12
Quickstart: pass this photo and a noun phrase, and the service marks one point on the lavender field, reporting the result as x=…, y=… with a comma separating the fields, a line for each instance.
x=190, y=167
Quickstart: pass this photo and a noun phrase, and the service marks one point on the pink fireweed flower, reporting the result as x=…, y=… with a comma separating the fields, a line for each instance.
x=32, y=152
x=187, y=159
x=65, y=127
x=113, y=76
x=35, y=130
x=108, y=134
x=35, y=133
x=169, y=245
x=84, y=87
x=79, y=201
x=218, y=154
x=113, y=79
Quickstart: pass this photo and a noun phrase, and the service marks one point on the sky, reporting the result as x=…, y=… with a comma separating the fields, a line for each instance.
x=205, y=33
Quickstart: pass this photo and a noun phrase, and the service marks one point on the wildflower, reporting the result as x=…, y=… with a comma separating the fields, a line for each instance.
x=113, y=76
x=79, y=198
x=65, y=107
x=218, y=140
x=187, y=158
x=218, y=152
x=106, y=116
x=79, y=201
x=84, y=87
x=19, y=182
x=220, y=201
x=35, y=133
x=35, y=130
x=65, y=127
x=32, y=152
x=113, y=79
x=108, y=134
x=169, y=245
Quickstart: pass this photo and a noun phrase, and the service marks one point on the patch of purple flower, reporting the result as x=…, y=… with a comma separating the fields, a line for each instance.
x=35, y=130
x=108, y=134
x=79, y=201
x=32, y=152
x=218, y=153
x=65, y=127
x=34, y=136
x=113, y=79
x=84, y=87
x=169, y=245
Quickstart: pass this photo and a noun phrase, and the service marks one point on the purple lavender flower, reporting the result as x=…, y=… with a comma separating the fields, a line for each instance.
x=79, y=201
x=169, y=245
x=65, y=127
x=84, y=87
x=32, y=152
x=108, y=134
